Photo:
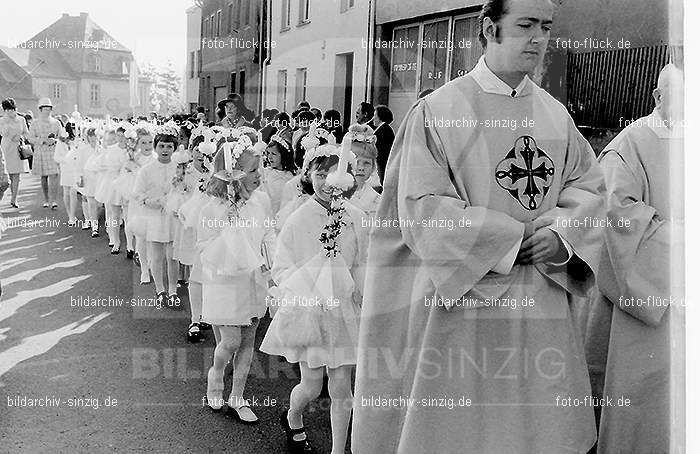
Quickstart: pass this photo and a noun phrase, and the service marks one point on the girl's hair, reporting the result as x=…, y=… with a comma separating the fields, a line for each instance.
x=363, y=149
x=166, y=138
x=9, y=104
x=287, y=157
x=323, y=163
x=142, y=132
x=217, y=188
x=219, y=164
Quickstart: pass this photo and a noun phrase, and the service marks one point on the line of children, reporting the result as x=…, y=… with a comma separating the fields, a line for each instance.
x=212, y=208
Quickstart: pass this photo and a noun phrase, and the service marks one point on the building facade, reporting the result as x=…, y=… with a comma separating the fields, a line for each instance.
x=320, y=54
x=74, y=62
x=232, y=52
x=421, y=45
x=194, y=56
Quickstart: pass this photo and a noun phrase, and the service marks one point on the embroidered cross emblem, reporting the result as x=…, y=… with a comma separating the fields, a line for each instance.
x=526, y=173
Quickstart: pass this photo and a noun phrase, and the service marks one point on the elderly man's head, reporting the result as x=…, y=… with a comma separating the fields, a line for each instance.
x=515, y=33
x=668, y=94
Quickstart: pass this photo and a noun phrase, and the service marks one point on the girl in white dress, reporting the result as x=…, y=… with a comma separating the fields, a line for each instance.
x=153, y=184
x=319, y=267
x=184, y=247
x=365, y=197
x=113, y=159
x=279, y=169
x=90, y=177
x=66, y=157
x=233, y=237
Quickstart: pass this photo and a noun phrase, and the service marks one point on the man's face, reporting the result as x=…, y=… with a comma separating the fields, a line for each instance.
x=360, y=116
x=523, y=34
x=44, y=112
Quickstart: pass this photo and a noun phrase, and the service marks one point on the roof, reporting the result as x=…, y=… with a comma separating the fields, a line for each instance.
x=76, y=31
x=14, y=80
x=40, y=62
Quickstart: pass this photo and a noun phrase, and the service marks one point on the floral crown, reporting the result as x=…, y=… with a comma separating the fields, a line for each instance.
x=168, y=129
x=280, y=140
x=361, y=133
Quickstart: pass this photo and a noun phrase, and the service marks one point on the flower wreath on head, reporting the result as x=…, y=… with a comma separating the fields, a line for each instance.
x=278, y=139
x=169, y=129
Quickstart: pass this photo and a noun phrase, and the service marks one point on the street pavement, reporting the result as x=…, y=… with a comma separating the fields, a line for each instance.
x=119, y=377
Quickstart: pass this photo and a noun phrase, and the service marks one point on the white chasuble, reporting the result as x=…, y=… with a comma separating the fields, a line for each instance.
x=493, y=373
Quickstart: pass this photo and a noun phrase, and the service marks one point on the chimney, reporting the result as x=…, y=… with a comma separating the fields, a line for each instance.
x=83, y=14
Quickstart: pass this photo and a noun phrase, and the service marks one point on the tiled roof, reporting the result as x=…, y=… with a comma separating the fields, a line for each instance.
x=76, y=29
x=40, y=62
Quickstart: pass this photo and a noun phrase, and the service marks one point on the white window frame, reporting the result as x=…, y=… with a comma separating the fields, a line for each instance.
x=95, y=95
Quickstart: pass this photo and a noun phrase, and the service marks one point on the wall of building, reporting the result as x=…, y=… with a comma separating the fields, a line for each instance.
x=321, y=46
x=191, y=76
x=114, y=98
x=44, y=87
x=397, y=10
x=230, y=51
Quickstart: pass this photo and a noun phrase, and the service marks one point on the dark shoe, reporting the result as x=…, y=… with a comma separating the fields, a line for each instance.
x=54, y=206
x=194, y=334
x=115, y=250
x=86, y=225
x=182, y=283
x=129, y=254
x=137, y=259
x=204, y=326
x=14, y=205
x=295, y=446
x=174, y=302
x=95, y=234
x=161, y=299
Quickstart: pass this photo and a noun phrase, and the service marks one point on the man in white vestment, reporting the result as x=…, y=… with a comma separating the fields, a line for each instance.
x=484, y=232
x=634, y=336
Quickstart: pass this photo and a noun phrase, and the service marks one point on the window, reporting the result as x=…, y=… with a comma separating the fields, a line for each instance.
x=346, y=5
x=229, y=18
x=237, y=14
x=404, y=59
x=218, y=23
x=246, y=12
x=434, y=59
x=94, y=63
x=282, y=91
x=212, y=26
x=233, y=82
x=467, y=48
x=286, y=14
x=304, y=11
x=205, y=28
x=300, y=93
x=193, y=57
x=94, y=95
x=57, y=91
x=199, y=62
x=125, y=67
x=241, y=79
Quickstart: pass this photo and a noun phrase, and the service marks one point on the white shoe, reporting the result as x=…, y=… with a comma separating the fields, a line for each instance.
x=242, y=410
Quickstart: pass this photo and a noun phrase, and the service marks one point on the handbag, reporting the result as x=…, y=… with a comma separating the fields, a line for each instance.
x=25, y=149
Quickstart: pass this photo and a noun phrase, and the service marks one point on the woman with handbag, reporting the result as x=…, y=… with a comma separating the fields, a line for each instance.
x=13, y=130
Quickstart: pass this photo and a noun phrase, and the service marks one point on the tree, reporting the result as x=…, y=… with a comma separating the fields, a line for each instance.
x=165, y=94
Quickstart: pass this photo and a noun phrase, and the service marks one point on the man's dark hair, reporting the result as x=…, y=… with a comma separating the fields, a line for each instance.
x=367, y=109
x=384, y=114
x=282, y=119
x=494, y=10
x=200, y=109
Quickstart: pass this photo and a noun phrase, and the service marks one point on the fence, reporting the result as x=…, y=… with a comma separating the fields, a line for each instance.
x=605, y=86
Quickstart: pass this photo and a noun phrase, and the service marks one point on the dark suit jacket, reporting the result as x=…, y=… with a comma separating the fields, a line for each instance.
x=385, y=139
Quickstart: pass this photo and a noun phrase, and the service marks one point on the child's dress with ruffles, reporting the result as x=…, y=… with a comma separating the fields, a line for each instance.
x=234, y=288
x=112, y=159
x=301, y=263
x=185, y=203
x=153, y=183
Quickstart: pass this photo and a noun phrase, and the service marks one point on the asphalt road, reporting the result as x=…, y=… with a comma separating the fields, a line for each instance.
x=113, y=379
